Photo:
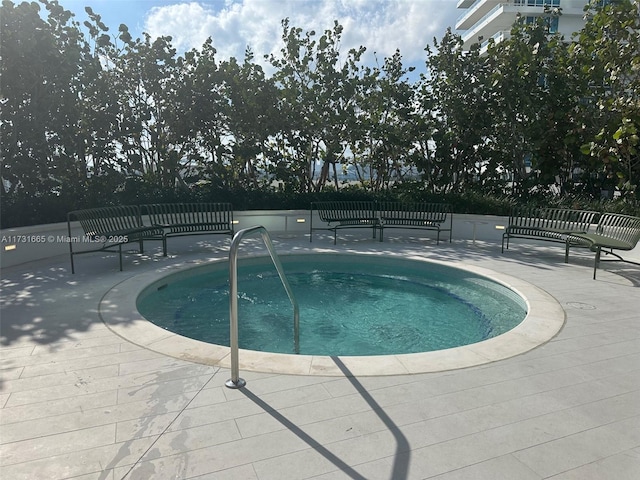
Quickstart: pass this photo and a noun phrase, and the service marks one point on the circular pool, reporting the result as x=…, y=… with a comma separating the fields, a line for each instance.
x=543, y=316
x=349, y=305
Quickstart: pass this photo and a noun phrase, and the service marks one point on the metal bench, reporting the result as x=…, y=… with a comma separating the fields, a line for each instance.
x=180, y=219
x=613, y=232
x=106, y=228
x=548, y=224
x=344, y=214
x=423, y=216
x=381, y=215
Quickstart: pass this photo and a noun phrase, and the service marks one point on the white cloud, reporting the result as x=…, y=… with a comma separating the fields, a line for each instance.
x=380, y=25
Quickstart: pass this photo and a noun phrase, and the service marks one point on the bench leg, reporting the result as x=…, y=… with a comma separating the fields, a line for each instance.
x=504, y=235
x=71, y=255
x=566, y=252
x=596, y=262
x=120, y=255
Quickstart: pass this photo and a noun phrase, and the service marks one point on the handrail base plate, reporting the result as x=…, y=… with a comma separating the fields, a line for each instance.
x=239, y=384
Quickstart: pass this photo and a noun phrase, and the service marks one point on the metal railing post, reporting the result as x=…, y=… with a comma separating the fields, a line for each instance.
x=235, y=381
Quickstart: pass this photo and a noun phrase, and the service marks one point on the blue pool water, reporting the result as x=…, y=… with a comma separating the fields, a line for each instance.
x=349, y=305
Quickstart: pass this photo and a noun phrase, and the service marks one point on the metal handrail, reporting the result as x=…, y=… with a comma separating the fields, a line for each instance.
x=235, y=381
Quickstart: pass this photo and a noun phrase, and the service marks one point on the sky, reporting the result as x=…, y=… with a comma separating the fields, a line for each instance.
x=382, y=26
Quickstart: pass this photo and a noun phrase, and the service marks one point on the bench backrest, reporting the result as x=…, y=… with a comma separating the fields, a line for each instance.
x=211, y=214
x=345, y=211
x=624, y=228
x=552, y=218
x=419, y=211
x=105, y=220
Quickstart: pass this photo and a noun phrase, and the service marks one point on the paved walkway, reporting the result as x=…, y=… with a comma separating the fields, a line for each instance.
x=79, y=401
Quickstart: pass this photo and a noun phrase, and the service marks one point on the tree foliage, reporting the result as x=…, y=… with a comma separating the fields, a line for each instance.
x=87, y=113
x=45, y=64
x=317, y=104
x=607, y=55
x=456, y=91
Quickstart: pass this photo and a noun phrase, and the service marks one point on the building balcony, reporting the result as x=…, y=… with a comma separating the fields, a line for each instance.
x=476, y=11
x=500, y=18
x=485, y=18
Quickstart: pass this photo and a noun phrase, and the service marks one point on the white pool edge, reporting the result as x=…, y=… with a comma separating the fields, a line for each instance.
x=545, y=318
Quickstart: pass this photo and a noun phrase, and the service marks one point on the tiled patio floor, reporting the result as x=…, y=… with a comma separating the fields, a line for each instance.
x=79, y=401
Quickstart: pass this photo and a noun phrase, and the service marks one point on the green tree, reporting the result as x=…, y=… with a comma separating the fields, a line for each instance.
x=318, y=101
x=455, y=95
x=204, y=106
x=46, y=65
x=608, y=56
x=147, y=77
x=253, y=116
x=535, y=87
x=556, y=131
x=383, y=133
x=520, y=101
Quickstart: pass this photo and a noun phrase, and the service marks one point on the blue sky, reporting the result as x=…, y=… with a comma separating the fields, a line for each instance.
x=380, y=25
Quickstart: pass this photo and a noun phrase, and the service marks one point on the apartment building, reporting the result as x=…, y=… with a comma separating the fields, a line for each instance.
x=482, y=20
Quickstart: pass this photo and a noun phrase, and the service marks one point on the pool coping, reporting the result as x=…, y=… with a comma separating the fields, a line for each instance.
x=545, y=318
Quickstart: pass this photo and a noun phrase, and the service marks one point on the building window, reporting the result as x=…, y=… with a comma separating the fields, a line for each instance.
x=538, y=3
x=552, y=22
